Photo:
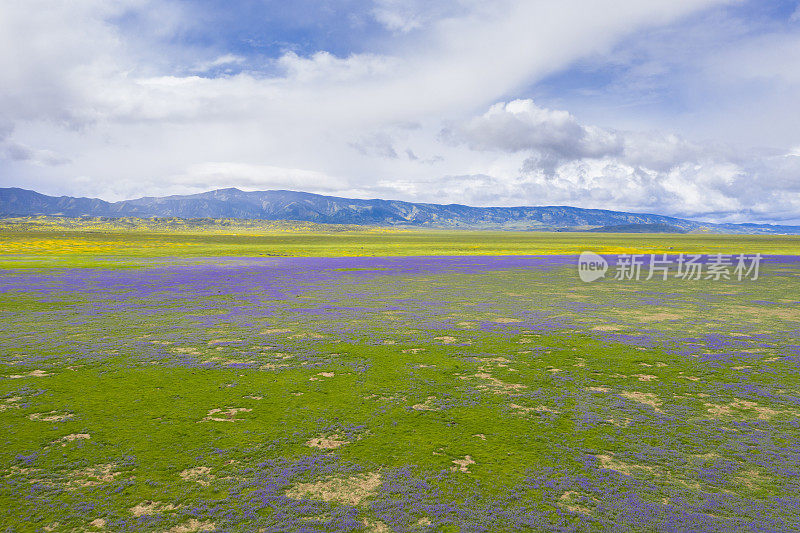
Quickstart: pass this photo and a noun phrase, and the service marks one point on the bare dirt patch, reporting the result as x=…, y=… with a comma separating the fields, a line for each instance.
x=151, y=508
x=73, y=437
x=198, y=474
x=462, y=465
x=91, y=476
x=491, y=383
x=569, y=501
x=608, y=462
x=351, y=490
x=187, y=351
x=606, y=328
x=193, y=526
x=222, y=341
x=10, y=403
x=752, y=479
x=789, y=314
x=321, y=375
x=646, y=398
x=497, y=386
x=51, y=416
x=721, y=410
x=225, y=415
x=501, y=362
x=376, y=526
x=327, y=443
x=537, y=409
x=427, y=405
x=31, y=374
x=658, y=317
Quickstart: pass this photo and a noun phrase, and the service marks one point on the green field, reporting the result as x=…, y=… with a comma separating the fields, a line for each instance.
x=296, y=379
x=46, y=241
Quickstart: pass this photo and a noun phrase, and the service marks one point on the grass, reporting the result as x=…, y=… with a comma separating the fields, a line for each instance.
x=617, y=405
x=62, y=242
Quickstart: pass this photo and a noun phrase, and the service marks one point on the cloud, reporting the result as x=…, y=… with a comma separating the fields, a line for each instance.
x=414, y=115
x=555, y=136
x=378, y=145
x=727, y=74
x=20, y=152
x=406, y=16
x=327, y=68
x=566, y=161
x=215, y=175
x=221, y=61
x=398, y=16
x=81, y=65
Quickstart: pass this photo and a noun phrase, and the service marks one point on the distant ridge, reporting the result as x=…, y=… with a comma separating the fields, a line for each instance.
x=308, y=207
x=639, y=228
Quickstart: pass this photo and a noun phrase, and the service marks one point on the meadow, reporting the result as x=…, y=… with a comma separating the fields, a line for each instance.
x=55, y=241
x=287, y=377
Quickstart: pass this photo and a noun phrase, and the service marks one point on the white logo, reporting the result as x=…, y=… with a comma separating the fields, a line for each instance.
x=591, y=266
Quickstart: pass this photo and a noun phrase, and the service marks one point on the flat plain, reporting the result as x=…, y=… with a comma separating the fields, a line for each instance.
x=289, y=377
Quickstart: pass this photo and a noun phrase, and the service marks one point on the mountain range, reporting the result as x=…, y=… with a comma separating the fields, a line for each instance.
x=308, y=207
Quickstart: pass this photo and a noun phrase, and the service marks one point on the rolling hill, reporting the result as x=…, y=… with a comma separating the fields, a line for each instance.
x=301, y=206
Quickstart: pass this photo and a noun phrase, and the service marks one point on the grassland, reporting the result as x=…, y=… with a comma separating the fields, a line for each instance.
x=210, y=389
x=48, y=241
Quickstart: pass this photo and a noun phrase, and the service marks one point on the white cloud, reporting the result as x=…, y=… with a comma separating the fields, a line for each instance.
x=89, y=72
x=326, y=68
x=725, y=74
x=223, y=60
x=554, y=136
x=397, y=16
x=405, y=16
x=566, y=161
x=132, y=122
x=378, y=145
x=214, y=175
x=40, y=157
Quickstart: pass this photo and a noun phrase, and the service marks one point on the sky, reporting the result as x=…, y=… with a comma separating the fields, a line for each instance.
x=686, y=108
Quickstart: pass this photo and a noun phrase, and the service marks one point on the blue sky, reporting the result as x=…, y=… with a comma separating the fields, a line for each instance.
x=655, y=74
x=260, y=30
x=681, y=107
